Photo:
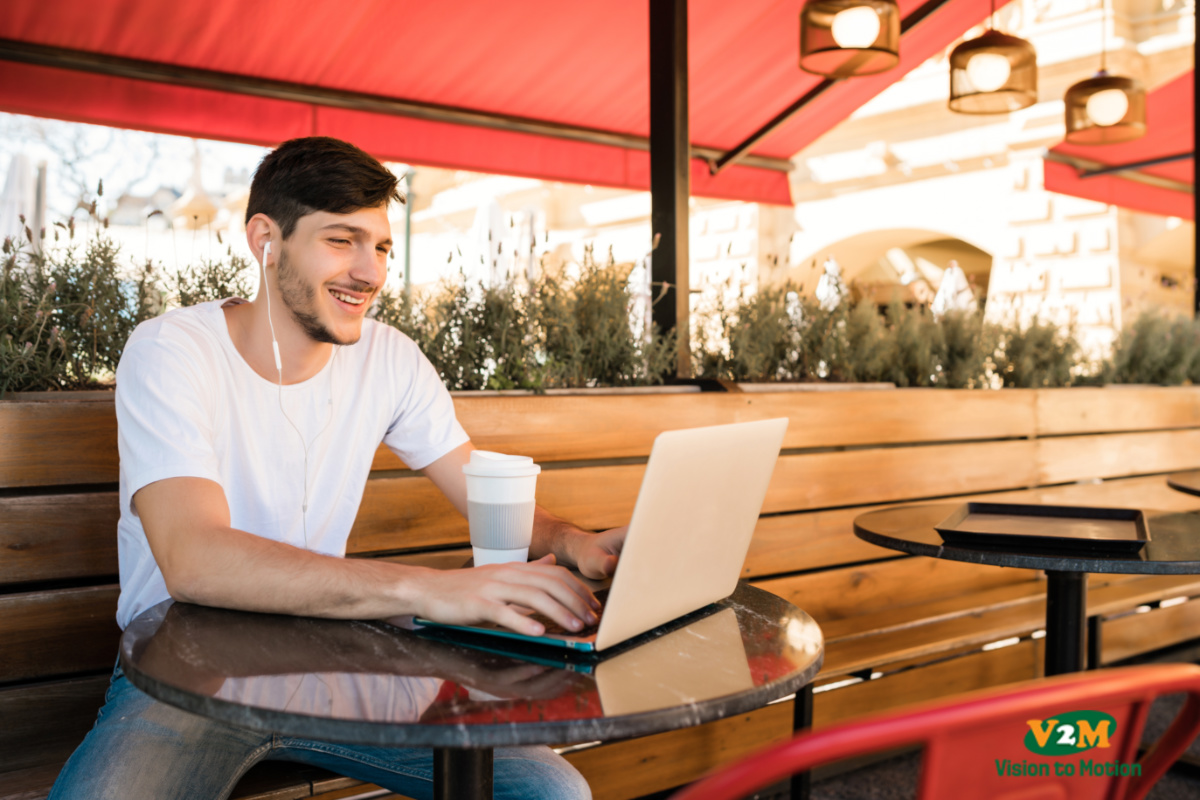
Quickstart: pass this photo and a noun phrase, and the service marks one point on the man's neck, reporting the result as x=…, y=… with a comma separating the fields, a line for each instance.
x=251, y=334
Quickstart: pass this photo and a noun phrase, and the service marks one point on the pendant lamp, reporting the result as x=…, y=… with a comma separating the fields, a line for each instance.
x=1105, y=109
x=845, y=38
x=993, y=74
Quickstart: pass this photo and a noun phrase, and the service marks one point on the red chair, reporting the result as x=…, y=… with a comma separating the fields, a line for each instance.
x=975, y=745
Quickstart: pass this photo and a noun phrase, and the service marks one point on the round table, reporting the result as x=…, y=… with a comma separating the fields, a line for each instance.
x=1173, y=549
x=250, y=669
x=1187, y=482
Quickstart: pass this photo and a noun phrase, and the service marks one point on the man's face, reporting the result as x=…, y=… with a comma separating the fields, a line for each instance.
x=330, y=270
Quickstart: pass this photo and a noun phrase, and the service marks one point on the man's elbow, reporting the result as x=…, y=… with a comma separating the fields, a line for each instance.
x=181, y=569
x=184, y=584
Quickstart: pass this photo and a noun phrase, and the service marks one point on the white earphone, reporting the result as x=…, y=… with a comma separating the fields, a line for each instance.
x=274, y=342
x=279, y=368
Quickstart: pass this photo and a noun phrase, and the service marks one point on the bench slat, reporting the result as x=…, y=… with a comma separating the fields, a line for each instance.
x=61, y=442
x=58, y=537
x=55, y=537
x=1135, y=634
x=1116, y=408
x=864, y=589
x=1073, y=458
x=409, y=512
x=44, y=723
x=56, y=633
x=635, y=767
x=978, y=670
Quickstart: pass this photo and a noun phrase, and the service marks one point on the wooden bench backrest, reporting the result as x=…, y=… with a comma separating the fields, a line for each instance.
x=845, y=451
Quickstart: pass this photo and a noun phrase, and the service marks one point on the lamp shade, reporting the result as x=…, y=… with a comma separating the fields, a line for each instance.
x=993, y=74
x=844, y=38
x=1105, y=109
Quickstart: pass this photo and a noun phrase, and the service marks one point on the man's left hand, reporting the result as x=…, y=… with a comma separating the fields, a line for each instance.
x=596, y=555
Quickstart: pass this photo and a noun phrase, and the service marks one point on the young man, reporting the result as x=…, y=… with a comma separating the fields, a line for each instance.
x=246, y=434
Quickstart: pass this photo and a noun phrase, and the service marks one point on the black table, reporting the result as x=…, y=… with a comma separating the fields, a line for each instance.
x=1187, y=482
x=1173, y=549
x=743, y=653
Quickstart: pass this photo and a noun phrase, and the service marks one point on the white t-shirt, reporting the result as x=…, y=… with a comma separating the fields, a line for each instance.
x=188, y=405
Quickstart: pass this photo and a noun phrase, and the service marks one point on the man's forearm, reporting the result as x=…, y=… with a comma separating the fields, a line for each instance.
x=230, y=568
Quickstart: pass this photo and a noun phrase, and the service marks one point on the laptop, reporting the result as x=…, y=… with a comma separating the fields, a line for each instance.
x=691, y=527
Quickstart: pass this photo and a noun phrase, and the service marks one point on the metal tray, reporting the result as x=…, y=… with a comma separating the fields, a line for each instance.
x=1059, y=529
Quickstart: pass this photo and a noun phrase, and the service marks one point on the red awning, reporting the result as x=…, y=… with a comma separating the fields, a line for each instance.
x=573, y=64
x=1159, y=189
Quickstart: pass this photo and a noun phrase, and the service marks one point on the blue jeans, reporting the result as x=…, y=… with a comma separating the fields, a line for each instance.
x=141, y=749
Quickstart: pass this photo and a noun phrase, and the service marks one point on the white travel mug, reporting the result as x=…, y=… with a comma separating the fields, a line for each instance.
x=500, y=504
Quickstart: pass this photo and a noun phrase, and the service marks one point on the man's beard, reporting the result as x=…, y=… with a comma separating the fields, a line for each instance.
x=299, y=298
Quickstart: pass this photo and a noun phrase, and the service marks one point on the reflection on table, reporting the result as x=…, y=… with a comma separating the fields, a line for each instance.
x=373, y=683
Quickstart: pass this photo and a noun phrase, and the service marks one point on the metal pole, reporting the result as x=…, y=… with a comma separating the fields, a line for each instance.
x=670, y=183
x=1066, y=621
x=409, y=199
x=462, y=774
x=802, y=716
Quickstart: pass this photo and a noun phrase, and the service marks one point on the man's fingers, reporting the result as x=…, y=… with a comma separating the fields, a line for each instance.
x=514, y=620
x=559, y=583
x=542, y=602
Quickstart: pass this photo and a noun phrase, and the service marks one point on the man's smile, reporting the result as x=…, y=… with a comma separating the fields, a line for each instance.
x=353, y=300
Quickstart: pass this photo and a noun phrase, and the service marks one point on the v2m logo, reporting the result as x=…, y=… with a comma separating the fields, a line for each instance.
x=1072, y=732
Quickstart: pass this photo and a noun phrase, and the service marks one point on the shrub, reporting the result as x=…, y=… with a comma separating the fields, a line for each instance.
x=211, y=279
x=65, y=313
x=479, y=337
x=1036, y=356
x=587, y=334
x=1156, y=349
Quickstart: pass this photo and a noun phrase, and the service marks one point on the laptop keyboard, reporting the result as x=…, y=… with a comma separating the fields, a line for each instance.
x=553, y=627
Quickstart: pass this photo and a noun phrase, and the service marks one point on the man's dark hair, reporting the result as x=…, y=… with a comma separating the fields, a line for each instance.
x=318, y=173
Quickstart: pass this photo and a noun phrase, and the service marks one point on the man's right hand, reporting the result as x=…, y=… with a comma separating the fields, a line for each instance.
x=503, y=594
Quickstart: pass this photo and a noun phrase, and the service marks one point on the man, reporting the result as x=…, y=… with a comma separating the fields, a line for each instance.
x=246, y=434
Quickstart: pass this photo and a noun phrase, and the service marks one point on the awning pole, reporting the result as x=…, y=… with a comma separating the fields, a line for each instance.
x=670, y=175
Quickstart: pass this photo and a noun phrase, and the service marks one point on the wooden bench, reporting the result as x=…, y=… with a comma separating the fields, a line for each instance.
x=898, y=629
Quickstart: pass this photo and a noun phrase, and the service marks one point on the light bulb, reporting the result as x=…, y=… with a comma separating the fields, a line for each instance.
x=1107, y=107
x=988, y=71
x=855, y=28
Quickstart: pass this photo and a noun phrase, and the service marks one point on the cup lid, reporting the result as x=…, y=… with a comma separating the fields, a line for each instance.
x=486, y=464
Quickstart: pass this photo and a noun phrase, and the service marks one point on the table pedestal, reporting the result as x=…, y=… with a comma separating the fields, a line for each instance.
x=462, y=774
x=1066, y=621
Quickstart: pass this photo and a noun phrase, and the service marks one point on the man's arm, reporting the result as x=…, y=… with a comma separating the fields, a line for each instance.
x=594, y=554
x=205, y=560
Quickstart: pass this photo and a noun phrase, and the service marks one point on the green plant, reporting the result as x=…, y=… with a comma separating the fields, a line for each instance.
x=211, y=279
x=479, y=337
x=586, y=331
x=1038, y=355
x=94, y=308
x=403, y=311
x=759, y=337
x=968, y=349
x=66, y=312
x=1155, y=349
x=915, y=345
x=33, y=353
x=857, y=345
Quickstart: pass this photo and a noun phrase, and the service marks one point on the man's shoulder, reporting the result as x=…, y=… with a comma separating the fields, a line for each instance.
x=178, y=337
x=382, y=341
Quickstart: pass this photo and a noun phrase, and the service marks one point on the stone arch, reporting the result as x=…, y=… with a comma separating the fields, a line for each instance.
x=907, y=262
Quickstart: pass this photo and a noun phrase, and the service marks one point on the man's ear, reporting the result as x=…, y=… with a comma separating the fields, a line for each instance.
x=261, y=229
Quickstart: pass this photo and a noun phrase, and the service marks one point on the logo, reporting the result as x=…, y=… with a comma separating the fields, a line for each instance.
x=1069, y=733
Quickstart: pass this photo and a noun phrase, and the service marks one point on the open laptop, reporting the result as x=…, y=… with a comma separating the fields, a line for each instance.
x=691, y=527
